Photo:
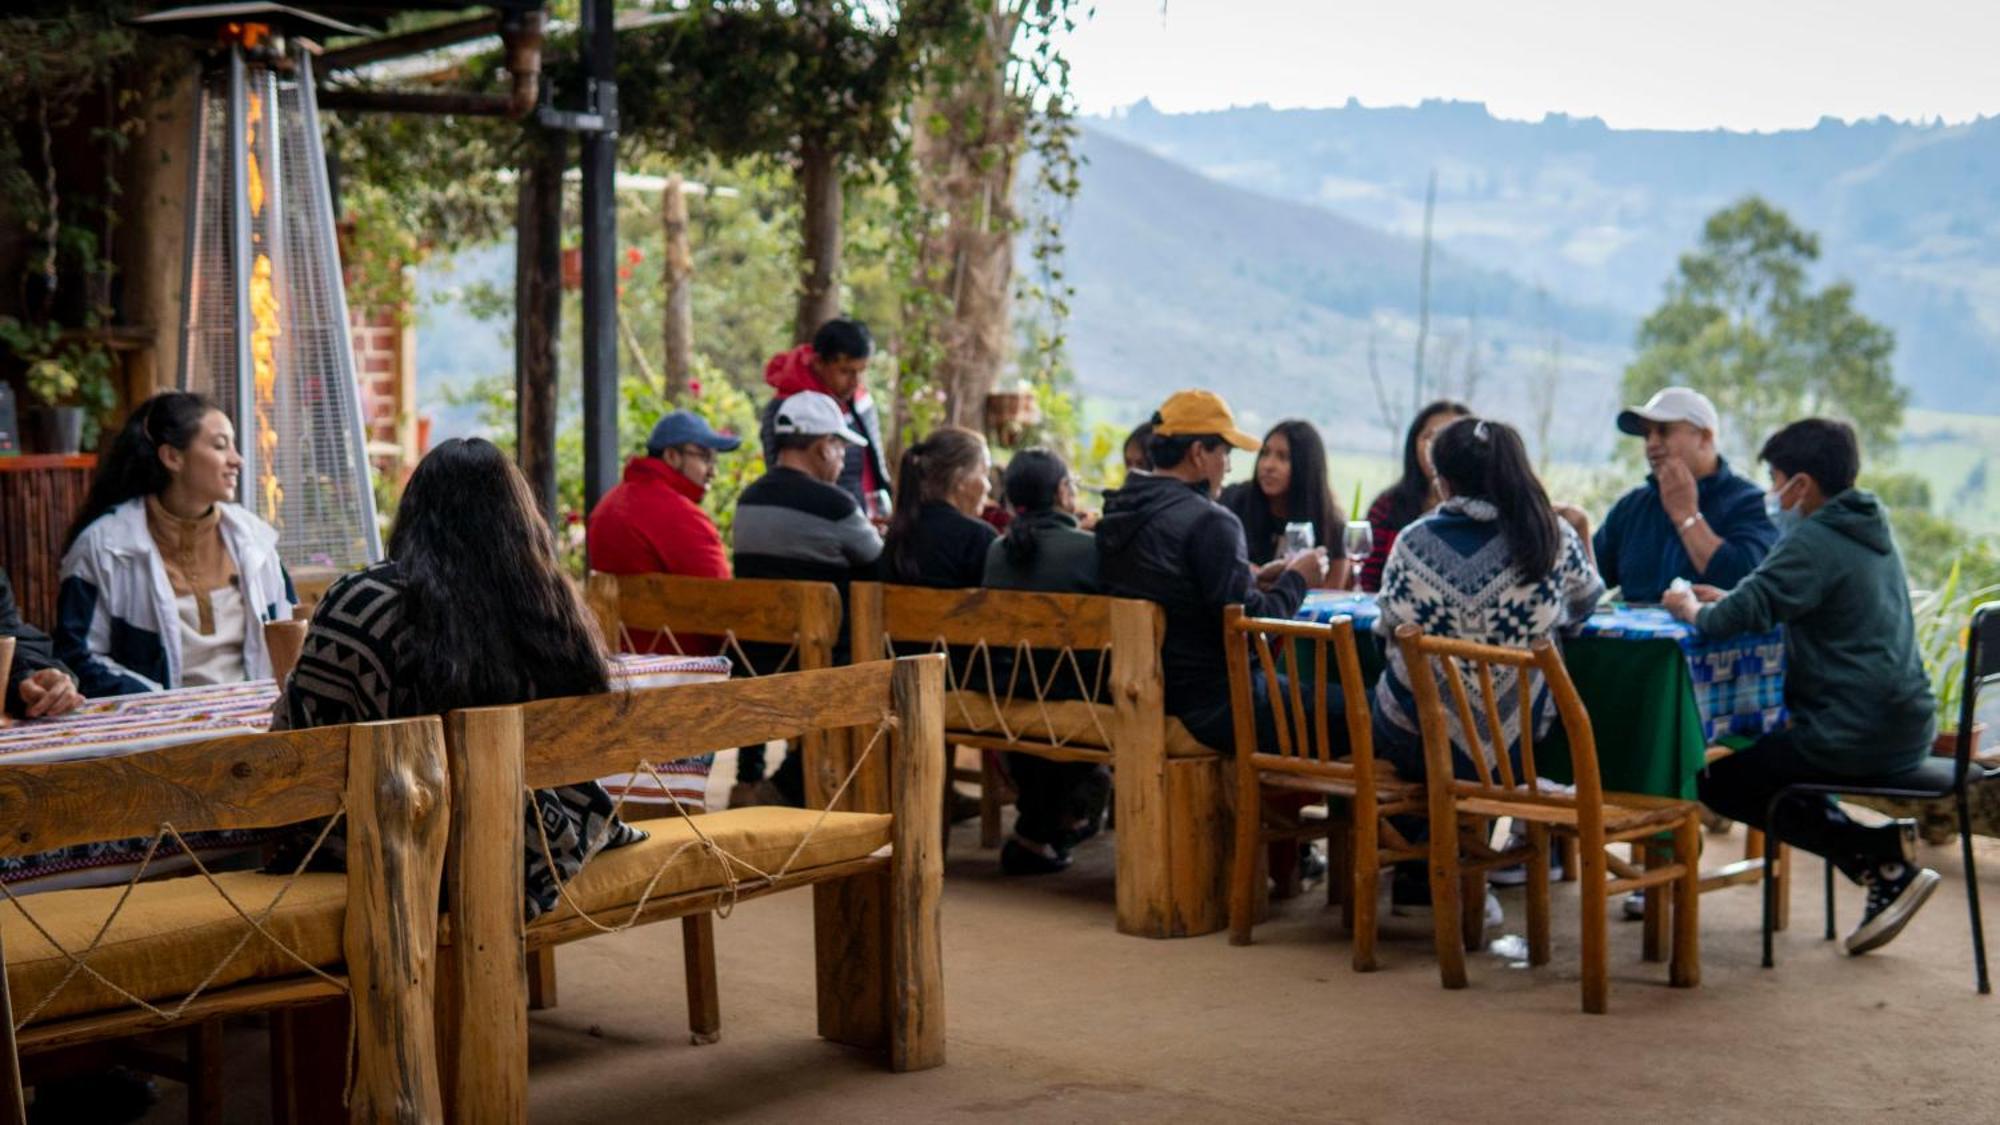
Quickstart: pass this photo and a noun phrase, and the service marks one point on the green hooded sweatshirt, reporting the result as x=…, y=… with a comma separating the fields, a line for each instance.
x=1860, y=702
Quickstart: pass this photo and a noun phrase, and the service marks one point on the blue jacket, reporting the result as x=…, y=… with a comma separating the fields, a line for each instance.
x=116, y=625
x=1639, y=550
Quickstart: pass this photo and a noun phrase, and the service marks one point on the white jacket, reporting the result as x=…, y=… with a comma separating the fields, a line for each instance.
x=116, y=624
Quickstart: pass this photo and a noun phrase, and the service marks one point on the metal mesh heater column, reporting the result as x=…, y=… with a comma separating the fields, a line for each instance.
x=267, y=331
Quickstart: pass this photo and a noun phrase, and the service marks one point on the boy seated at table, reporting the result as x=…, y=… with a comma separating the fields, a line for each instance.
x=1861, y=706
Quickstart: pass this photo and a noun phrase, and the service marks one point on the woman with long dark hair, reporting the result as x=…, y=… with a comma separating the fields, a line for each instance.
x=1495, y=519
x=1060, y=804
x=1414, y=493
x=165, y=581
x=936, y=537
x=1291, y=486
x=470, y=609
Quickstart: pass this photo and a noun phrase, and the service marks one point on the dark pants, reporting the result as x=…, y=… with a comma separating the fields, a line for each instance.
x=1213, y=723
x=1742, y=785
x=1052, y=798
x=750, y=764
x=1405, y=751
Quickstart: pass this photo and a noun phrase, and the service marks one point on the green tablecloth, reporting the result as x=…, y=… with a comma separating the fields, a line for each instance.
x=1640, y=696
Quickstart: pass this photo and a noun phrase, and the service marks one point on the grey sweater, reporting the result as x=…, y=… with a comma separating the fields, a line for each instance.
x=789, y=525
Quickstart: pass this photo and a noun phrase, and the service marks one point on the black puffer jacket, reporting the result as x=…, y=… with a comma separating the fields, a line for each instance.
x=1164, y=540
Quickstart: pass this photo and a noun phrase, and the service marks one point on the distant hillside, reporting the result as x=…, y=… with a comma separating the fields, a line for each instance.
x=1910, y=213
x=1181, y=279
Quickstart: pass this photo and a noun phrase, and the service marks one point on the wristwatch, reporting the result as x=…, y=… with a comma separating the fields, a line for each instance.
x=1690, y=521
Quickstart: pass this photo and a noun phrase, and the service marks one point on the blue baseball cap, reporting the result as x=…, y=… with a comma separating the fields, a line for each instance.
x=685, y=428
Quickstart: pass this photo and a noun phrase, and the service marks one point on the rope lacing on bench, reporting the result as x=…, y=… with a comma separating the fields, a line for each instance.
x=729, y=640
x=79, y=962
x=726, y=861
x=980, y=654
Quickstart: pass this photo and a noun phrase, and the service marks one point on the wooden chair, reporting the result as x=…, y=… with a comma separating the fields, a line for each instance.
x=876, y=874
x=6, y=666
x=1595, y=818
x=1171, y=817
x=106, y=963
x=1363, y=841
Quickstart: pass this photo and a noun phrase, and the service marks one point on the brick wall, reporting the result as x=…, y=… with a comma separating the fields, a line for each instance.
x=385, y=364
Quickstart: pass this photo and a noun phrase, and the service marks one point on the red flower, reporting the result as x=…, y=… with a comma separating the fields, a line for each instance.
x=694, y=387
x=634, y=255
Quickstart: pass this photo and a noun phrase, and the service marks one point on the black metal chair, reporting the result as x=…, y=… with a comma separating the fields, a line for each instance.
x=1936, y=778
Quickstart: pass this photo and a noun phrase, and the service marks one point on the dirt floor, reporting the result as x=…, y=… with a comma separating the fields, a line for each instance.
x=1055, y=1017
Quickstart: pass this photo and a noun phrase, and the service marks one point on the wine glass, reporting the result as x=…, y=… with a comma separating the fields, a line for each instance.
x=1298, y=539
x=1358, y=540
x=878, y=505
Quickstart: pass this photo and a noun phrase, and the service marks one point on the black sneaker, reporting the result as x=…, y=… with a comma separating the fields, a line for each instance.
x=1312, y=865
x=1895, y=892
x=1019, y=859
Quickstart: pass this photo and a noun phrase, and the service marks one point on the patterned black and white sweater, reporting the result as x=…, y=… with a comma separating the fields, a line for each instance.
x=355, y=668
x=1452, y=575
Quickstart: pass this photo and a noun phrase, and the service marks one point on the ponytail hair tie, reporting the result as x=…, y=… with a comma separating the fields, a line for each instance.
x=1479, y=429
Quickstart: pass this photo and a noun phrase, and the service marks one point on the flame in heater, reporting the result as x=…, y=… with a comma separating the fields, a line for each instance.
x=264, y=332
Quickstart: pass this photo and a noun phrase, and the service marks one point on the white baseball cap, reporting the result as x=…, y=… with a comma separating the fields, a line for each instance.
x=812, y=413
x=1674, y=404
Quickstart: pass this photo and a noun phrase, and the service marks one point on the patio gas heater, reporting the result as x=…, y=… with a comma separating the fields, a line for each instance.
x=265, y=330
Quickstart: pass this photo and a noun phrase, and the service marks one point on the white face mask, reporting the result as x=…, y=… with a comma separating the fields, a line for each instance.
x=1784, y=519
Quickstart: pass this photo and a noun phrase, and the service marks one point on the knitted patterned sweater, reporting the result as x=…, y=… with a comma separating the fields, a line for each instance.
x=1451, y=574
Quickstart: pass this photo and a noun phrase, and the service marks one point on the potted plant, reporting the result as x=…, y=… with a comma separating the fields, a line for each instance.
x=68, y=376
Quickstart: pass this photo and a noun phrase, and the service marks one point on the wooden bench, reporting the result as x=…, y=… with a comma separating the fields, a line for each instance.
x=1172, y=822
x=175, y=953
x=876, y=873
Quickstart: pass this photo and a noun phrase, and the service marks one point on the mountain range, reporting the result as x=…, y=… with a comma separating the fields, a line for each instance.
x=1294, y=236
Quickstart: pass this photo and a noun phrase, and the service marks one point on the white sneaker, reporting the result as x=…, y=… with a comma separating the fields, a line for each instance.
x=1635, y=906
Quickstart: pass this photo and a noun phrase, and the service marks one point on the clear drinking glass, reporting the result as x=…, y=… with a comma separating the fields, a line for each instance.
x=1298, y=539
x=1358, y=540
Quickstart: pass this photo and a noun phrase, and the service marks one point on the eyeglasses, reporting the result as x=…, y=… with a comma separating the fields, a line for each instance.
x=701, y=453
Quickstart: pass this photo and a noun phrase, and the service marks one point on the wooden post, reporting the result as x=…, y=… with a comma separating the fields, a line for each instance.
x=1684, y=968
x=819, y=631
x=6, y=666
x=398, y=808
x=704, y=998
x=677, y=275
x=308, y=1071
x=13, y=1100
x=869, y=792
x=600, y=595
x=916, y=972
x=821, y=206
x=1145, y=843
x=538, y=312
x=485, y=1055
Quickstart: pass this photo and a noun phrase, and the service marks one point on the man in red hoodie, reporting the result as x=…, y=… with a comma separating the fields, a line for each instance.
x=652, y=522
x=833, y=365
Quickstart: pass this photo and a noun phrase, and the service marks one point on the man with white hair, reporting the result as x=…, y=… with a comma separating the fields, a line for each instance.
x=1694, y=518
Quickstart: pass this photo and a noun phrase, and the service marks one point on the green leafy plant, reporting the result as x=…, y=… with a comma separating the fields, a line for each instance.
x=1943, y=616
x=62, y=369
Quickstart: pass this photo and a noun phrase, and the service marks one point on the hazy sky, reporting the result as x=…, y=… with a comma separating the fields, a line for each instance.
x=1687, y=64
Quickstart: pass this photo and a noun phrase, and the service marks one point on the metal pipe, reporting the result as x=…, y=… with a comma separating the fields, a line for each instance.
x=410, y=101
x=410, y=43
x=600, y=266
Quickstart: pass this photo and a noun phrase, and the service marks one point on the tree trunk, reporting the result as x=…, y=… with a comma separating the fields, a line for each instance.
x=819, y=275
x=965, y=173
x=677, y=319
x=538, y=314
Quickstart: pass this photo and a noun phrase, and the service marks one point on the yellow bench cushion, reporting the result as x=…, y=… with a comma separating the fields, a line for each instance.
x=760, y=838
x=168, y=937
x=1067, y=722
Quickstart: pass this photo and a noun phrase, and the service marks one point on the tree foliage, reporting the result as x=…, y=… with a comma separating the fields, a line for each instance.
x=1741, y=324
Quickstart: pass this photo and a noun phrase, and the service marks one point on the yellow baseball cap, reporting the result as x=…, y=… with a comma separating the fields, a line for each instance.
x=1201, y=412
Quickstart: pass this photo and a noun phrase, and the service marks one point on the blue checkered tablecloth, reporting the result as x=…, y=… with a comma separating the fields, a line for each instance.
x=1739, y=684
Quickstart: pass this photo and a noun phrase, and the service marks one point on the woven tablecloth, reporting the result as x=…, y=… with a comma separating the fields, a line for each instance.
x=133, y=724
